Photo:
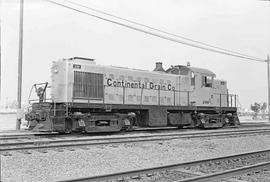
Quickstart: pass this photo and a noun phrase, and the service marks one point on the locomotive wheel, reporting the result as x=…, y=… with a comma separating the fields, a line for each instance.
x=128, y=124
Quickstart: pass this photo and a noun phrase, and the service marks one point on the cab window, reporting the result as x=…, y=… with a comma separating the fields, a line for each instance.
x=207, y=81
x=192, y=78
x=184, y=71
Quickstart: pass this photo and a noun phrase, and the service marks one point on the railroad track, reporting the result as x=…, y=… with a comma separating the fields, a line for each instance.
x=32, y=135
x=28, y=136
x=215, y=169
x=25, y=134
x=47, y=143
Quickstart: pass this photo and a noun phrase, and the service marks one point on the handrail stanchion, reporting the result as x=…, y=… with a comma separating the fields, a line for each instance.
x=220, y=100
x=141, y=96
x=52, y=119
x=174, y=97
x=123, y=95
x=67, y=110
x=54, y=110
x=104, y=87
x=45, y=95
x=188, y=98
x=179, y=94
x=227, y=100
x=234, y=100
x=159, y=97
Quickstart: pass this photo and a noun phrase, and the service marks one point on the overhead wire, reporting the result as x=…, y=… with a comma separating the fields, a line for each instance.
x=159, y=30
x=154, y=34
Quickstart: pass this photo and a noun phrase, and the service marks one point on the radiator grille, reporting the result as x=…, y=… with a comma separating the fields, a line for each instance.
x=88, y=85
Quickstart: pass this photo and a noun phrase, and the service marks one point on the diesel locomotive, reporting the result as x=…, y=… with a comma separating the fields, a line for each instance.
x=87, y=97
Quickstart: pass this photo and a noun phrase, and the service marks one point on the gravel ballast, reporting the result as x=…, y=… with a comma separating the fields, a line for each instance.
x=256, y=176
x=96, y=160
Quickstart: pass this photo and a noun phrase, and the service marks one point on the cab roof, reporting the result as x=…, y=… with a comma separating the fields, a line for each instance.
x=183, y=70
x=202, y=71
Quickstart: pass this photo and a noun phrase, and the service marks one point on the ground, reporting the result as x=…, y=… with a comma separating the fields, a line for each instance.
x=96, y=160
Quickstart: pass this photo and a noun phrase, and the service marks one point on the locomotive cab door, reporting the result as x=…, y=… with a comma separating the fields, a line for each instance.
x=206, y=90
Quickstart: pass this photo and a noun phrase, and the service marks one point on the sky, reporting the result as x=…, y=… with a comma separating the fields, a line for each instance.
x=52, y=32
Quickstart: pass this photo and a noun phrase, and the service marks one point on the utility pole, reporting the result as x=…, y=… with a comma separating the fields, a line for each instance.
x=0, y=51
x=268, y=79
x=19, y=95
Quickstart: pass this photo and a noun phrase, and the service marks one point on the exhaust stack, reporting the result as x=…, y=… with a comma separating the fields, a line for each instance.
x=159, y=67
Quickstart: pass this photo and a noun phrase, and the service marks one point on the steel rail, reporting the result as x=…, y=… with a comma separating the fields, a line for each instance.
x=30, y=136
x=146, y=171
x=228, y=173
x=27, y=134
x=188, y=134
x=247, y=127
x=46, y=144
x=116, y=140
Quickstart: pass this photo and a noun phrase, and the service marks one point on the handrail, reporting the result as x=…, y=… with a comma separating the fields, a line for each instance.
x=44, y=93
x=32, y=100
x=176, y=96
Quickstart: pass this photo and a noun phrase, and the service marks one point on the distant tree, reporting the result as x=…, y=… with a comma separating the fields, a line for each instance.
x=263, y=110
x=257, y=108
x=263, y=107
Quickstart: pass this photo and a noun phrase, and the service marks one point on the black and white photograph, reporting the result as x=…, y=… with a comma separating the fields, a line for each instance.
x=134, y=90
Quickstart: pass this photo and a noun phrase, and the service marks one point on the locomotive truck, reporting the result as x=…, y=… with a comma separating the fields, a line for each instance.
x=88, y=97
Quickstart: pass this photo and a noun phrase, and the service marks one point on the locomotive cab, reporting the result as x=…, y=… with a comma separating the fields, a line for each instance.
x=208, y=95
